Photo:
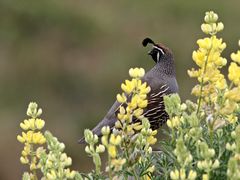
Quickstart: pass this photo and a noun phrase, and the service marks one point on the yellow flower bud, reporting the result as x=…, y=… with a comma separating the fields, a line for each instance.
x=151, y=169
x=118, y=125
x=20, y=139
x=33, y=166
x=133, y=73
x=121, y=98
x=220, y=26
x=205, y=177
x=174, y=175
x=136, y=72
x=24, y=160
x=206, y=28
x=100, y=148
x=215, y=164
x=192, y=175
x=105, y=130
x=169, y=124
x=141, y=72
x=52, y=175
x=68, y=161
x=137, y=126
x=199, y=165
x=71, y=174
x=182, y=174
x=138, y=112
x=24, y=126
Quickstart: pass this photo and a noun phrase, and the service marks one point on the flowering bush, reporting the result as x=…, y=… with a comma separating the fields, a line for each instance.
x=203, y=136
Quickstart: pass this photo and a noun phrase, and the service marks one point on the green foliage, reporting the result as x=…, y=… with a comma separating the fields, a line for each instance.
x=203, y=137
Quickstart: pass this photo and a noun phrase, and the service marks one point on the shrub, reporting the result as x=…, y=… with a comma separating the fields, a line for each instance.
x=203, y=137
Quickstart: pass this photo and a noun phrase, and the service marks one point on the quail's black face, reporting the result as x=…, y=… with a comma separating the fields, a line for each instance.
x=156, y=53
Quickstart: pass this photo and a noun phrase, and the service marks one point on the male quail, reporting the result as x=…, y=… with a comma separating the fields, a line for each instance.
x=162, y=80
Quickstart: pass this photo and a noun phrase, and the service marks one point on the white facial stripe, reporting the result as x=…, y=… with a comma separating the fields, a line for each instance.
x=159, y=49
x=158, y=56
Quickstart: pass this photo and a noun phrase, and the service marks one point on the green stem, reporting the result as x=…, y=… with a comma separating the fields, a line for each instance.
x=231, y=85
x=211, y=135
x=32, y=158
x=109, y=166
x=201, y=84
x=135, y=174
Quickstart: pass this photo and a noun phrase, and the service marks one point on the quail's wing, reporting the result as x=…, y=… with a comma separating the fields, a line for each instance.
x=155, y=110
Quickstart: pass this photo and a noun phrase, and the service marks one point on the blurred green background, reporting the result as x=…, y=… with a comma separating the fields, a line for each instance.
x=71, y=56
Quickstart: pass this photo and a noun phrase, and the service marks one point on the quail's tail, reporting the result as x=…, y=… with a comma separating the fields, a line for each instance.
x=97, y=129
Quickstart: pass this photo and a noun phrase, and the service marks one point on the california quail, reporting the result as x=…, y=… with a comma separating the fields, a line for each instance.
x=162, y=80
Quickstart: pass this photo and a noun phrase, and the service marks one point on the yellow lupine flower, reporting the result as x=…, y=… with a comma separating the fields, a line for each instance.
x=138, y=112
x=205, y=43
x=121, y=98
x=199, y=57
x=221, y=61
x=151, y=140
x=174, y=122
x=51, y=175
x=39, y=123
x=236, y=57
x=174, y=174
x=182, y=174
x=24, y=160
x=144, y=89
x=112, y=151
x=27, y=148
x=38, y=138
x=24, y=126
x=31, y=123
x=118, y=163
x=205, y=177
x=218, y=44
x=221, y=84
x=115, y=140
x=137, y=126
x=192, y=175
x=33, y=166
x=232, y=119
x=229, y=107
x=154, y=132
x=127, y=87
x=193, y=72
x=233, y=94
x=20, y=139
x=104, y=140
x=143, y=103
x=234, y=73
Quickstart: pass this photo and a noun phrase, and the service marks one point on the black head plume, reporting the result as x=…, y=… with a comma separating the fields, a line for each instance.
x=146, y=41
